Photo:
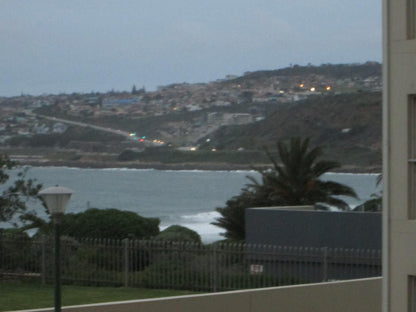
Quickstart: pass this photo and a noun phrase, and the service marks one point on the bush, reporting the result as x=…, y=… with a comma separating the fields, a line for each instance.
x=177, y=233
x=17, y=252
x=109, y=223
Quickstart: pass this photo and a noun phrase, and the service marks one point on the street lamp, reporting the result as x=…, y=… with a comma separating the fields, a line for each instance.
x=56, y=198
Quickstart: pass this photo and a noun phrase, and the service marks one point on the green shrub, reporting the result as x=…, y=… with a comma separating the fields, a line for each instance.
x=109, y=223
x=177, y=233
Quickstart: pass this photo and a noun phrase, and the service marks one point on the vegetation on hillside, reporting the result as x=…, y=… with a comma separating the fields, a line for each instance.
x=73, y=134
x=168, y=155
x=334, y=71
x=347, y=125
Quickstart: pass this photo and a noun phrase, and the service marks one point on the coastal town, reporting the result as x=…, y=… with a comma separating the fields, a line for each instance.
x=230, y=101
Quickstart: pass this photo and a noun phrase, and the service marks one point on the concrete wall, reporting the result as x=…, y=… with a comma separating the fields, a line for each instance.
x=285, y=227
x=399, y=75
x=346, y=296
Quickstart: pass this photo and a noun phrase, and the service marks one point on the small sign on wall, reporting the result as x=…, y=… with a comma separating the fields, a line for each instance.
x=256, y=269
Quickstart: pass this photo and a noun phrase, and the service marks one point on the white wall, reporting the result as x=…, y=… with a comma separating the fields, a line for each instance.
x=345, y=296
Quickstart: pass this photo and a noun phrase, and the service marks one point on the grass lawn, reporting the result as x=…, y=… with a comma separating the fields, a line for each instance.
x=17, y=295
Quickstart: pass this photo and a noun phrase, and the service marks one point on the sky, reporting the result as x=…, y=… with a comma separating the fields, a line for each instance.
x=57, y=46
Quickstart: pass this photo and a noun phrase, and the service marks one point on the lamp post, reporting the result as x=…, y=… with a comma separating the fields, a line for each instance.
x=56, y=199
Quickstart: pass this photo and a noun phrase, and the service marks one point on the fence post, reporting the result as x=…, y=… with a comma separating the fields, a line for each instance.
x=214, y=268
x=1, y=250
x=324, y=264
x=126, y=261
x=43, y=259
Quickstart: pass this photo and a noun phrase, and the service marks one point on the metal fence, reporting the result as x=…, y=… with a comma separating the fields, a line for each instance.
x=182, y=265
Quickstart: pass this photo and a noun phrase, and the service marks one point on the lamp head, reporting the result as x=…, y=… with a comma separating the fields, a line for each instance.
x=56, y=198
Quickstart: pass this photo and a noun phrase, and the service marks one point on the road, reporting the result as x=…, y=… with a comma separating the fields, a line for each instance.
x=85, y=125
x=99, y=128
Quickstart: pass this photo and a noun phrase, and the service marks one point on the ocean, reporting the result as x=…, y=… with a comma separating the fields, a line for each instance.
x=187, y=198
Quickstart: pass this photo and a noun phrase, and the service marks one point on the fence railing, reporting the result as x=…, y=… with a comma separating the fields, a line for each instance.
x=183, y=265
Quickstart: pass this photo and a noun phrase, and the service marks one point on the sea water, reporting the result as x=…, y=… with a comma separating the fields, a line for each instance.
x=188, y=198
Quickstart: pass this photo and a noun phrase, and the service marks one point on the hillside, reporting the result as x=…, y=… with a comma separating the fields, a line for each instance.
x=348, y=126
x=341, y=77
x=229, y=120
x=334, y=71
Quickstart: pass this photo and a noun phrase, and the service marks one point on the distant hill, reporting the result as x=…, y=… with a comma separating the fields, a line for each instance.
x=338, y=71
x=329, y=71
x=348, y=126
x=337, y=105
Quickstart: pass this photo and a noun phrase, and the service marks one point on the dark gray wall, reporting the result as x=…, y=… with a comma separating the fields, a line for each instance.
x=359, y=230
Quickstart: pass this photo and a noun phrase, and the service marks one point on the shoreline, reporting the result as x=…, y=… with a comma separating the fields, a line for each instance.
x=180, y=166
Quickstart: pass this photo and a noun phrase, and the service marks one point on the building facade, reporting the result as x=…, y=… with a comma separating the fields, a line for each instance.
x=296, y=227
x=399, y=145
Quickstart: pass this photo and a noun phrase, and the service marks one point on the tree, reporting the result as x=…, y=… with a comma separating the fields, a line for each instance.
x=292, y=182
x=296, y=181
x=15, y=193
x=109, y=223
x=374, y=204
x=233, y=214
x=98, y=223
x=178, y=233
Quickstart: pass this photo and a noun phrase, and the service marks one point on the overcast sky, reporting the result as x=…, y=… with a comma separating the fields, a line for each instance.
x=54, y=46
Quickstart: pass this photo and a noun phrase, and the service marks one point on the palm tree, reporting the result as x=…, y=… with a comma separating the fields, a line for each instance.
x=233, y=214
x=292, y=182
x=296, y=180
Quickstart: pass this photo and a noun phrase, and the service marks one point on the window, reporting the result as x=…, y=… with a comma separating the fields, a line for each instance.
x=411, y=295
x=411, y=19
x=412, y=156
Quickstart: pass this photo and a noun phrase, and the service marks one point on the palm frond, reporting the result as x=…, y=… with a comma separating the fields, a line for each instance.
x=338, y=203
x=337, y=189
x=271, y=158
x=324, y=166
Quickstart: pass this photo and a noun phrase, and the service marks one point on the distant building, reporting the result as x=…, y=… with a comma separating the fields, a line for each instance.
x=24, y=132
x=120, y=101
x=59, y=127
x=41, y=129
x=221, y=103
x=192, y=107
x=40, y=103
x=238, y=118
x=93, y=100
x=229, y=118
x=214, y=117
x=299, y=97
